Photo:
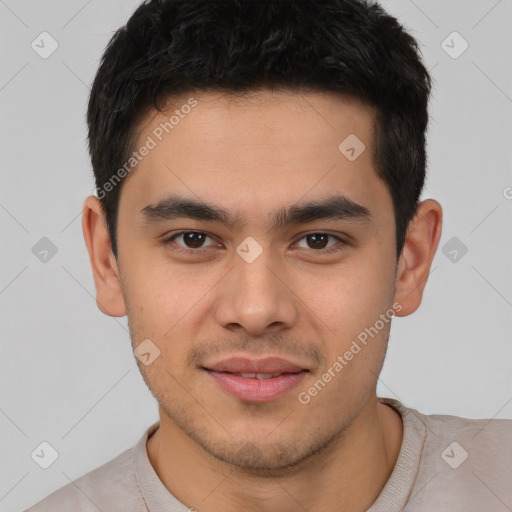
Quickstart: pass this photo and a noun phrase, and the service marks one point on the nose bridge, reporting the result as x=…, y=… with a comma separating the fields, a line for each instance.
x=254, y=296
x=255, y=277
x=253, y=258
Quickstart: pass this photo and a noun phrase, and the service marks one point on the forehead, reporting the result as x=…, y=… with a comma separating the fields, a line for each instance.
x=264, y=118
x=257, y=149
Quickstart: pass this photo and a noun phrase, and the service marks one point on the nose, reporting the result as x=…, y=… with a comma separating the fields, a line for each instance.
x=256, y=297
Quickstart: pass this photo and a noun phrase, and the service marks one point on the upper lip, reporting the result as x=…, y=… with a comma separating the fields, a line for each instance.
x=248, y=365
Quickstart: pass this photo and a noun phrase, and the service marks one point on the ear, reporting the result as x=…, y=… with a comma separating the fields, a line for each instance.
x=422, y=239
x=109, y=297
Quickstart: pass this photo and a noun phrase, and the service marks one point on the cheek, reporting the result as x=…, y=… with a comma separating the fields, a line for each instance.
x=350, y=298
x=166, y=304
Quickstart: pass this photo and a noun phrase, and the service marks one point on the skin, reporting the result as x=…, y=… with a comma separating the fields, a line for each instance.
x=253, y=155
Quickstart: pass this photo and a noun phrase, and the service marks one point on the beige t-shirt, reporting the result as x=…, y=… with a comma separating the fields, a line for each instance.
x=446, y=464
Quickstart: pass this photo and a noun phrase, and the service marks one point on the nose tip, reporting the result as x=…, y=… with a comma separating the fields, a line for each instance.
x=252, y=297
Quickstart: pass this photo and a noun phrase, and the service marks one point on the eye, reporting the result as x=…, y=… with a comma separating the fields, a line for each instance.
x=191, y=240
x=320, y=241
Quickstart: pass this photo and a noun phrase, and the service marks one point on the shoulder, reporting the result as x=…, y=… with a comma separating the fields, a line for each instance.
x=463, y=462
x=108, y=487
x=482, y=442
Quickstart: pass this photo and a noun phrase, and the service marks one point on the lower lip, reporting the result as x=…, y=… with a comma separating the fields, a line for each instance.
x=256, y=390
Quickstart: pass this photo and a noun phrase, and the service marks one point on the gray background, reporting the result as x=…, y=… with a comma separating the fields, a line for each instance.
x=67, y=373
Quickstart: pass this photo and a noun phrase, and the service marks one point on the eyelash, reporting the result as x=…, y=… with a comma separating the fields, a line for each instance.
x=328, y=250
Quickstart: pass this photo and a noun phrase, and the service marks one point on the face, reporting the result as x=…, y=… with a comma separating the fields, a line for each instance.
x=249, y=243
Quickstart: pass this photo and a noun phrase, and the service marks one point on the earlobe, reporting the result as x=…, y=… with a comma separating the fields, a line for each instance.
x=109, y=297
x=414, y=264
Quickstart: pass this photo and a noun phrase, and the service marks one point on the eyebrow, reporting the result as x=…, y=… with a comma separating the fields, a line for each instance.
x=334, y=207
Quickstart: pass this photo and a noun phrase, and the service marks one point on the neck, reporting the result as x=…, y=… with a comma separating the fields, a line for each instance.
x=348, y=474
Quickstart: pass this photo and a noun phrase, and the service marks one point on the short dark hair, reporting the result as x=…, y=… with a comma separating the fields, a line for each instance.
x=350, y=47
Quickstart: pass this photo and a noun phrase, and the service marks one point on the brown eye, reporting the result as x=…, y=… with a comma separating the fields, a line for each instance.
x=189, y=240
x=194, y=240
x=318, y=241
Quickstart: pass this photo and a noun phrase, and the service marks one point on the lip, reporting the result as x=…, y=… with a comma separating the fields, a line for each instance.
x=248, y=365
x=226, y=374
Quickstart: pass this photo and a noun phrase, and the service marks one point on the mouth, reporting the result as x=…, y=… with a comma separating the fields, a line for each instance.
x=259, y=376
x=256, y=381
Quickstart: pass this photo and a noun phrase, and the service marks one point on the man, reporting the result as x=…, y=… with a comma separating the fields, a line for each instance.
x=258, y=169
